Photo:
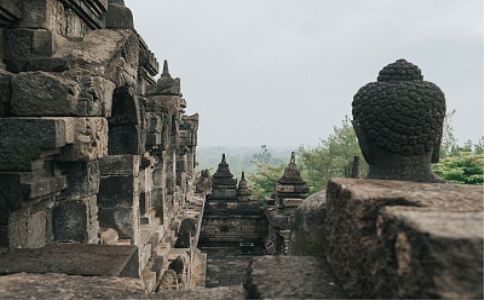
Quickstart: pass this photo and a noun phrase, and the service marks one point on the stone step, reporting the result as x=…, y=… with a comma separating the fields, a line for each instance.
x=149, y=278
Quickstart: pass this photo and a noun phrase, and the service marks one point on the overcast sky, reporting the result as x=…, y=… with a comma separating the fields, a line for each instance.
x=283, y=72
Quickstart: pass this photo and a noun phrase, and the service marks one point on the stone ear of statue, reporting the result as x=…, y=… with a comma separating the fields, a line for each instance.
x=362, y=141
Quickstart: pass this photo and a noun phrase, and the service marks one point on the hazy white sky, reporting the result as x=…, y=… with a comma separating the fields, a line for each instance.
x=283, y=72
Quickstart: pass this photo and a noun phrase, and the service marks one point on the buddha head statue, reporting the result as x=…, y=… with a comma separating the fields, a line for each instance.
x=399, y=124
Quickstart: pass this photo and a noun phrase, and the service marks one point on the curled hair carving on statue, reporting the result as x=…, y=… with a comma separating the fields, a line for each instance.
x=401, y=112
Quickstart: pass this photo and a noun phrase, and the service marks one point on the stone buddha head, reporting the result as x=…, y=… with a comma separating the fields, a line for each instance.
x=399, y=124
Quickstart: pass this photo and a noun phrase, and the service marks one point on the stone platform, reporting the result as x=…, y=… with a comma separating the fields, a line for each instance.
x=74, y=259
x=291, y=277
x=396, y=239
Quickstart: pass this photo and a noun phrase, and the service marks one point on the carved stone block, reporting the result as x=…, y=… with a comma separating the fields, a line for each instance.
x=24, y=140
x=73, y=93
x=83, y=179
x=47, y=14
x=86, y=139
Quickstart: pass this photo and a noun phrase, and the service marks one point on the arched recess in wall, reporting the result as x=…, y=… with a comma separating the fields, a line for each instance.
x=125, y=123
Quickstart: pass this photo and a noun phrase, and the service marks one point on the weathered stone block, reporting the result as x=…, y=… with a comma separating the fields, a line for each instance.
x=37, y=188
x=124, y=220
x=9, y=12
x=24, y=139
x=118, y=192
x=5, y=88
x=125, y=140
x=18, y=228
x=222, y=194
x=83, y=179
x=55, y=286
x=73, y=93
x=70, y=221
x=79, y=259
x=43, y=43
x=18, y=42
x=307, y=232
x=291, y=277
x=153, y=139
x=46, y=14
x=120, y=165
x=37, y=230
x=86, y=139
x=12, y=195
x=288, y=202
x=397, y=239
x=4, y=241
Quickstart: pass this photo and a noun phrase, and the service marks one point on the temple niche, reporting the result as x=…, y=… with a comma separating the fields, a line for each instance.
x=93, y=149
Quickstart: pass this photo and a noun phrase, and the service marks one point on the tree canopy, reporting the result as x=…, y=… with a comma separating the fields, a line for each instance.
x=332, y=157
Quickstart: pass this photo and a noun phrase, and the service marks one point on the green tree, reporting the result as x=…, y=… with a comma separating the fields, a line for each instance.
x=266, y=157
x=449, y=141
x=458, y=164
x=263, y=180
x=465, y=168
x=333, y=157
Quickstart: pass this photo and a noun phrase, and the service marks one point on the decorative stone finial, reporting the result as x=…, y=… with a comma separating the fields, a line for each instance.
x=399, y=123
x=167, y=85
x=292, y=174
x=223, y=170
x=243, y=191
x=165, y=72
x=291, y=185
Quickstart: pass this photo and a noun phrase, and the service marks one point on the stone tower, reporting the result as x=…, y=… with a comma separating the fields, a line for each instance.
x=291, y=185
x=224, y=186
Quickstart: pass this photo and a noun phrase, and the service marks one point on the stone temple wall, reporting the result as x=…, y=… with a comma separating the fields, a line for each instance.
x=92, y=149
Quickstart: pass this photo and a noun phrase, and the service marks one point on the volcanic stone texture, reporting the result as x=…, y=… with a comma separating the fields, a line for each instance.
x=307, y=232
x=291, y=277
x=75, y=259
x=396, y=239
x=62, y=286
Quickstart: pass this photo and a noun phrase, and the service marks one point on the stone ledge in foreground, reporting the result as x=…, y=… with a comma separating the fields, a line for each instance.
x=395, y=239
